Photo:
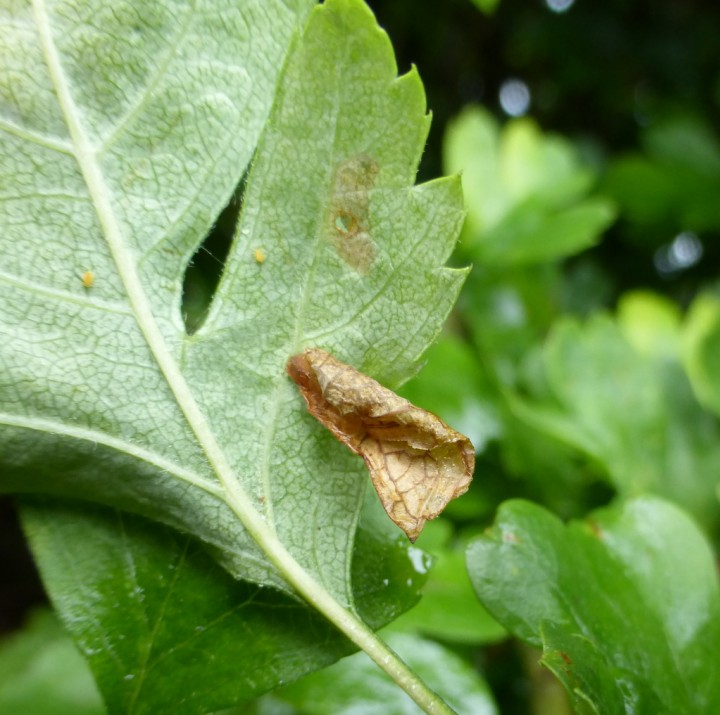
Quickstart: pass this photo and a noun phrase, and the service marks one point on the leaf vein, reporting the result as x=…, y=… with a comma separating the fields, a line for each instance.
x=35, y=138
x=143, y=97
x=85, y=434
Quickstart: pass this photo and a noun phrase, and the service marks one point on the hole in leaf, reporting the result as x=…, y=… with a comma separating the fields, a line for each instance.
x=206, y=266
x=345, y=223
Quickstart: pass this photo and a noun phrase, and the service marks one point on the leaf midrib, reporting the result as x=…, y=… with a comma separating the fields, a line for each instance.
x=101, y=198
x=295, y=345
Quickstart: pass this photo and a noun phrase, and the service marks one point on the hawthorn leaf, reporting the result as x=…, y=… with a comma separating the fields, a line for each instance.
x=625, y=605
x=115, y=142
x=630, y=407
x=163, y=627
x=525, y=192
x=670, y=186
x=119, y=171
x=701, y=340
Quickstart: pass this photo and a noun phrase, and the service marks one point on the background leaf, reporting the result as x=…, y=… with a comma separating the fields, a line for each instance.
x=670, y=184
x=448, y=609
x=632, y=411
x=524, y=191
x=648, y=648
x=701, y=341
x=354, y=685
x=162, y=633
x=164, y=627
x=41, y=672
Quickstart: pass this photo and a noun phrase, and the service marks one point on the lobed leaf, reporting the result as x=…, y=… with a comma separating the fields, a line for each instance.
x=118, y=172
x=118, y=147
x=525, y=192
x=631, y=409
x=625, y=605
x=104, y=395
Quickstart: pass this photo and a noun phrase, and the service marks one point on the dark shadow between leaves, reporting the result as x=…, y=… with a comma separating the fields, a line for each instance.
x=206, y=266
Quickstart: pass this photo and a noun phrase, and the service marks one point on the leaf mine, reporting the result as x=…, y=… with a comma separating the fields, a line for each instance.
x=348, y=220
x=417, y=463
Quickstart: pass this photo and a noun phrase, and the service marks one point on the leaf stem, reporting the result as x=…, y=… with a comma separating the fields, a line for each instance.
x=366, y=639
x=86, y=154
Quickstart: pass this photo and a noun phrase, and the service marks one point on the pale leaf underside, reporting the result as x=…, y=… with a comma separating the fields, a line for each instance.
x=102, y=393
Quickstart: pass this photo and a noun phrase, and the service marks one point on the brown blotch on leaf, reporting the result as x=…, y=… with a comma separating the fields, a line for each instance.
x=348, y=224
x=417, y=463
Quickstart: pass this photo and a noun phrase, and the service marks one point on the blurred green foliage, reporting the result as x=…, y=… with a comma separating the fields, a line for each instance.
x=42, y=673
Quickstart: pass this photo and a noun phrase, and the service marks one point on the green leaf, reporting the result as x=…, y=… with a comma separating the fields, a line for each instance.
x=650, y=323
x=41, y=673
x=164, y=628
x=524, y=191
x=120, y=170
x=644, y=191
x=626, y=605
x=135, y=162
x=451, y=384
x=508, y=310
x=486, y=6
x=531, y=233
x=701, y=345
x=448, y=609
x=672, y=185
x=632, y=412
x=388, y=573
x=105, y=396
x=354, y=686
x=685, y=140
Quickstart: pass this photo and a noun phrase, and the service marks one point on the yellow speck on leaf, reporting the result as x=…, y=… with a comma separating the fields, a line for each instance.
x=417, y=463
x=259, y=255
x=88, y=279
